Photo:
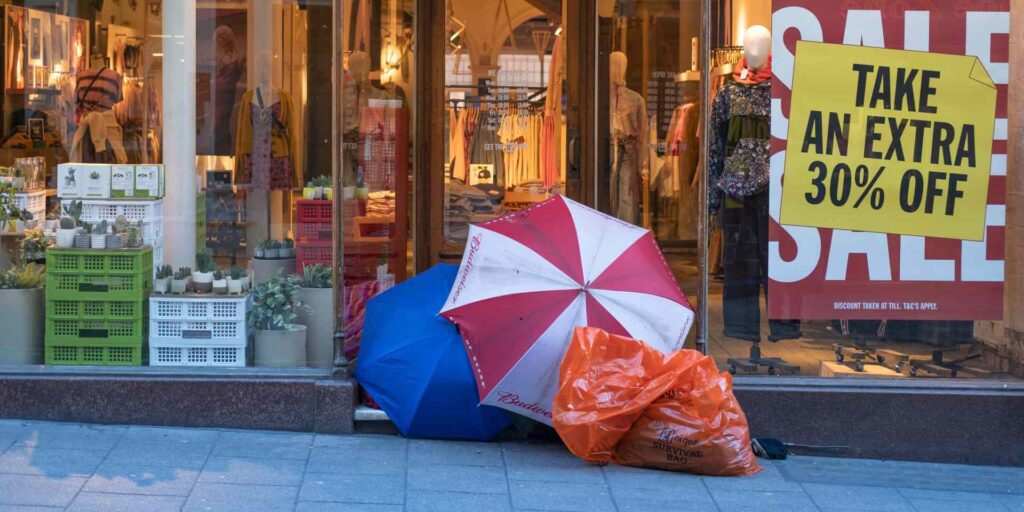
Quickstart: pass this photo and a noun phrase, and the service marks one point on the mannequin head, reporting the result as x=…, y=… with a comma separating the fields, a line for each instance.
x=617, y=68
x=226, y=45
x=757, y=46
x=359, y=66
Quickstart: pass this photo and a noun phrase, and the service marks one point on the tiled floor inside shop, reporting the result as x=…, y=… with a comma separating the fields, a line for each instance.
x=819, y=338
x=49, y=467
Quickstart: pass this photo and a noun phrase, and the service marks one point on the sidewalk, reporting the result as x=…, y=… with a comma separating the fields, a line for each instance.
x=55, y=466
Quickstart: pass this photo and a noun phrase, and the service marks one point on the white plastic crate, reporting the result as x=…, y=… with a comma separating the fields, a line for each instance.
x=207, y=320
x=34, y=202
x=149, y=212
x=195, y=355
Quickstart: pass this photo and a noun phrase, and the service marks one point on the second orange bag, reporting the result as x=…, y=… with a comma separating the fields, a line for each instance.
x=619, y=400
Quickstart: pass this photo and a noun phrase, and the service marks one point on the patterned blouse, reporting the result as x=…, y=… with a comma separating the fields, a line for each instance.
x=738, y=161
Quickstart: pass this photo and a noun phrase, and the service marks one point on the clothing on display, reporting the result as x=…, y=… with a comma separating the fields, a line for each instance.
x=739, y=146
x=629, y=152
x=745, y=258
x=676, y=184
x=99, y=139
x=265, y=157
x=465, y=205
x=229, y=73
x=551, y=135
x=97, y=90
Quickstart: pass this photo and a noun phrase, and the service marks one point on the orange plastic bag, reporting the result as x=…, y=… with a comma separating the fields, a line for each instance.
x=619, y=400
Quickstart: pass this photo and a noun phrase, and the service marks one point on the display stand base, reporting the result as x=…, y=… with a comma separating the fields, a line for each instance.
x=939, y=366
x=775, y=365
x=859, y=354
x=265, y=270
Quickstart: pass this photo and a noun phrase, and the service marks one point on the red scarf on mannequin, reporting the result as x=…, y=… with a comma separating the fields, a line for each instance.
x=753, y=77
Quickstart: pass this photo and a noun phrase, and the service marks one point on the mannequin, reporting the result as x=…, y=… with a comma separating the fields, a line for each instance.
x=99, y=138
x=738, y=168
x=629, y=142
x=357, y=92
x=265, y=154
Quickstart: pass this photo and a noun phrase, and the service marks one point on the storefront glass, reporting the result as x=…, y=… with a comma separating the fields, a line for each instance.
x=870, y=265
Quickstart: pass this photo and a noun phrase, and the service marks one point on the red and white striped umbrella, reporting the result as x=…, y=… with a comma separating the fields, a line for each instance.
x=528, y=278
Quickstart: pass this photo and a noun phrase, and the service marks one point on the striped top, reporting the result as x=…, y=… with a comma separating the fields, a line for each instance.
x=97, y=90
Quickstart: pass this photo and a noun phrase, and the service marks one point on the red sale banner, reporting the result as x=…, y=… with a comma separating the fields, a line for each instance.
x=819, y=273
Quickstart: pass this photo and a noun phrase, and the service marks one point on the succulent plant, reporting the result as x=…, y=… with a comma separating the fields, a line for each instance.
x=204, y=261
x=183, y=273
x=74, y=210
x=236, y=272
x=67, y=222
x=164, y=271
x=121, y=224
x=218, y=274
x=315, y=276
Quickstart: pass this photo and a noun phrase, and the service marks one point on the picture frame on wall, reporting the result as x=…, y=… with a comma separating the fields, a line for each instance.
x=34, y=31
x=61, y=44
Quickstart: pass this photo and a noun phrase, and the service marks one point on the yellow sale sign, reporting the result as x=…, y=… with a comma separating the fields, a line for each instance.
x=889, y=141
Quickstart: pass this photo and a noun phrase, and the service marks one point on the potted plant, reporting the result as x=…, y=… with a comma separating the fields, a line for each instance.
x=179, y=284
x=162, y=282
x=234, y=279
x=261, y=250
x=202, y=277
x=22, y=306
x=9, y=211
x=133, y=236
x=83, y=240
x=34, y=245
x=272, y=250
x=99, y=235
x=278, y=340
x=74, y=210
x=66, y=232
x=316, y=292
x=115, y=239
x=220, y=282
x=288, y=248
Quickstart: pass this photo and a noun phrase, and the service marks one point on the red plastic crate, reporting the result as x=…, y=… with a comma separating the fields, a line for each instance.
x=313, y=232
x=314, y=210
x=311, y=255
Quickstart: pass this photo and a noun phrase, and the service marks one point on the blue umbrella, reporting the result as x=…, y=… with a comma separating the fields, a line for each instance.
x=414, y=365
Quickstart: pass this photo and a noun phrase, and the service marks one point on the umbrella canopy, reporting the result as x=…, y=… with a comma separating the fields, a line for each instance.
x=527, y=279
x=413, y=363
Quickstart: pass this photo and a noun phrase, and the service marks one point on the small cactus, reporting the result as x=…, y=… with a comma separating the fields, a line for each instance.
x=67, y=222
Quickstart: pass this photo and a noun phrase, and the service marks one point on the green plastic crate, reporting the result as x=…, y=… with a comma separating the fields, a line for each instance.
x=99, y=275
x=95, y=310
x=85, y=353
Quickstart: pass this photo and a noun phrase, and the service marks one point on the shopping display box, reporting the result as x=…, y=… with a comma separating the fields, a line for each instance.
x=83, y=181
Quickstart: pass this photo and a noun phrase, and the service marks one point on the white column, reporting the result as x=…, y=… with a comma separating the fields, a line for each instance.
x=179, y=132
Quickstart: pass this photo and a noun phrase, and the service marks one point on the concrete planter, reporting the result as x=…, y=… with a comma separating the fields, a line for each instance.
x=318, y=316
x=21, y=314
x=281, y=349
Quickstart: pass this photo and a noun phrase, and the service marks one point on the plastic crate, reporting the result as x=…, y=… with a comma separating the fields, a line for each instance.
x=125, y=310
x=34, y=202
x=314, y=232
x=196, y=355
x=314, y=210
x=99, y=275
x=87, y=353
x=209, y=320
x=148, y=212
x=105, y=332
x=311, y=255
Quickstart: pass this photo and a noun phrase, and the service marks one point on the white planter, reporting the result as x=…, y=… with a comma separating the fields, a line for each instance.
x=179, y=285
x=245, y=283
x=318, y=317
x=162, y=285
x=220, y=286
x=260, y=253
x=203, y=281
x=82, y=241
x=234, y=286
x=288, y=252
x=98, y=241
x=281, y=349
x=318, y=192
x=21, y=314
x=66, y=237
x=271, y=254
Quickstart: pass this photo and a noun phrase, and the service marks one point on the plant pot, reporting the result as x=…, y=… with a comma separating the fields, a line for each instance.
x=114, y=241
x=66, y=238
x=19, y=226
x=259, y=253
x=98, y=241
x=271, y=254
x=220, y=286
x=234, y=286
x=281, y=349
x=202, y=281
x=319, y=193
x=317, y=316
x=162, y=285
x=19, y=183
x=82, y=241
x=179, y=285
x=329, y=193
x=288, y=252
x=21, y=313
x=245, y=283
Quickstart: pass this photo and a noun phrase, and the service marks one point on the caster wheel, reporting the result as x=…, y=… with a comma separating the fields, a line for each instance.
x=772, y=370
x=858, y=366
x=899, y=367
x=881, y=359
x=913, y=372
x=839, y=357
x=732, y=370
